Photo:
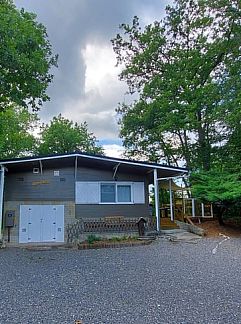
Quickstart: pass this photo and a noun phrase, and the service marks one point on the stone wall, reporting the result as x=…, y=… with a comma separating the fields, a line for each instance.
x=191, y=228
x=74, y=231
x=104, y=227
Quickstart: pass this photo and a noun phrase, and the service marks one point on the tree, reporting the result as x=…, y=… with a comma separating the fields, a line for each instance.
x=64, y=136
x=25, y=58
x=16, y=138
x=220, y=187
x=186, y=71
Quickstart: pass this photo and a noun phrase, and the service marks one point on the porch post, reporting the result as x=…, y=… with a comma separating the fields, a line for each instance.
x=157, y=210
x=2, y=170
x=211, y=206
x=193, y=207
x=203, y=212
x=171, y=200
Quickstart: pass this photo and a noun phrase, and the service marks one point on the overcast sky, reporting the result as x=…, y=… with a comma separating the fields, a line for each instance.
x=86, y=85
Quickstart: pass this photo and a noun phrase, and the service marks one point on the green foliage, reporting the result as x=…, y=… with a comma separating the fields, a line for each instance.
x=186, y=72
x=25, y=58
x=164, y=196
x=65, y=136
x=92, y=238
x=16, y=125
x=216, y=186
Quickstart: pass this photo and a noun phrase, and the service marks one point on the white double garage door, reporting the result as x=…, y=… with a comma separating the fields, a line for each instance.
x=41, y=223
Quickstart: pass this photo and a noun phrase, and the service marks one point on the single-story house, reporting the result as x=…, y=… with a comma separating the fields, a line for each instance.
x=41, y=196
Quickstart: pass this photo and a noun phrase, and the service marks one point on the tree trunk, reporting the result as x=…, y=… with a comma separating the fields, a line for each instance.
x=203, y=145
x=220, y=213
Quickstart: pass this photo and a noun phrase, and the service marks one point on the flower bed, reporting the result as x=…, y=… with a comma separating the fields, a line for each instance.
x=115, y=242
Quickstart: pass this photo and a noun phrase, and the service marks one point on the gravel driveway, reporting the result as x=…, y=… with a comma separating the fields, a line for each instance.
x=164, y=282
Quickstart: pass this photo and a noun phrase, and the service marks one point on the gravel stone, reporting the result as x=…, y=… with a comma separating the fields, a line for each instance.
x=164, y=282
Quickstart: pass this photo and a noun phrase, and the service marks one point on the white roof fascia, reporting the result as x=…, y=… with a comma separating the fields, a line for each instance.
x=116, y=160
x=169, y=178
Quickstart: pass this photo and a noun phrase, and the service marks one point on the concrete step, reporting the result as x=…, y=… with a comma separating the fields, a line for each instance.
x=180, y=235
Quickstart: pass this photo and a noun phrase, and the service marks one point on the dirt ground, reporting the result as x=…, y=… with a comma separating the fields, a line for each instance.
x=213, y=229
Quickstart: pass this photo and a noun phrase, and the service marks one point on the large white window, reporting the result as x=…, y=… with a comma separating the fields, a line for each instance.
x=115, y=193
x=105, y=192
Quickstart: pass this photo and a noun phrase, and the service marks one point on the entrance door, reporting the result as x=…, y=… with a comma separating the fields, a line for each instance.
x=41, y=223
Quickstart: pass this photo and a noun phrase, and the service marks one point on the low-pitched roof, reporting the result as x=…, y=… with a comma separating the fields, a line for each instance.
x=92, y=160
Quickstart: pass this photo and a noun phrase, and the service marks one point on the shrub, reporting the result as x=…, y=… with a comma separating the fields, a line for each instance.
x=92, y=238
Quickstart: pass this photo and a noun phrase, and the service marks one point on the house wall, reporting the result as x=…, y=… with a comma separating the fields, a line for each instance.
x=96, y=211
x=89, y=174
x=46, y=186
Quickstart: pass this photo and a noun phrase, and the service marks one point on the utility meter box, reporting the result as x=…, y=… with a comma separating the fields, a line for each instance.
x=9, y=218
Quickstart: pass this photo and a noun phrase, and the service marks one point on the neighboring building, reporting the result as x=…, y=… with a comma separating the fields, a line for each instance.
x=41, y=196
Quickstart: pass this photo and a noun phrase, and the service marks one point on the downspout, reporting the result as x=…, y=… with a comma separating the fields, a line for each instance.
x=2, y=170
x=171, y=200
x=41, y=167
x=75, y=167
x=157, y=210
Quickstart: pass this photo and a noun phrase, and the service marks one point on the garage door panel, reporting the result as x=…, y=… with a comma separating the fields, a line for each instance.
x=23, y=224
x=34, y=225
x=48, y=221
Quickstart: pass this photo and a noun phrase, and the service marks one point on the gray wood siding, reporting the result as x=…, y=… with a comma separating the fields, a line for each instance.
x=46, y=186
x=98, y=211
x=21, y=186
x=88, y=174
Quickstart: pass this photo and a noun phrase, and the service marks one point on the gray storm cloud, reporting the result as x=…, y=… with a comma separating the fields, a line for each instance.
x=71, y=25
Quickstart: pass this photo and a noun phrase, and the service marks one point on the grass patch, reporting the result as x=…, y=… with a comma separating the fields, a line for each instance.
x=121, y=238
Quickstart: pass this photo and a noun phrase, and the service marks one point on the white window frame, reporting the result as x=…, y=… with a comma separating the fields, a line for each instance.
x=117, y=183
x=91, y=195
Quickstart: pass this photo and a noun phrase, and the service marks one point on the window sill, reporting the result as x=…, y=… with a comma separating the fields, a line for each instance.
x=116, y=203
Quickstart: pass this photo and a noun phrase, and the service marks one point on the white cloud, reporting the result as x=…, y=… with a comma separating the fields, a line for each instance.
x=102, y=92
x=100, y=66
x=113, y=150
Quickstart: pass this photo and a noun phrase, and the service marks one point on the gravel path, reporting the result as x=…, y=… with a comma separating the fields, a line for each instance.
x=165, y=282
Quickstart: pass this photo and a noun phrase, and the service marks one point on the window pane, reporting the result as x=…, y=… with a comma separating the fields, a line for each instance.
x=124, y=193
x=108, y=193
